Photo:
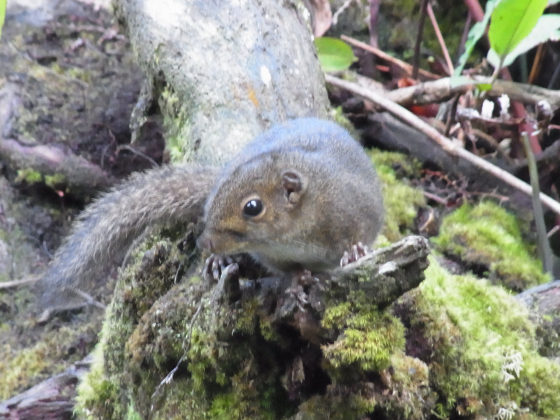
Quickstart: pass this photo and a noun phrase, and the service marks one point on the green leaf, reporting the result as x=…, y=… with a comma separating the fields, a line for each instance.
x=2, y=14
x=457, y=81
x=475, y=34
x=484, y=86
x=334, y=54
x=512, y=21
x=546, y=29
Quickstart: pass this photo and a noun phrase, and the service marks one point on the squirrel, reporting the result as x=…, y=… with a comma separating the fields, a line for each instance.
x=295, y=198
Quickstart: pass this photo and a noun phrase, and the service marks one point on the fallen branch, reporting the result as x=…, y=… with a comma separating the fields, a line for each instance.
x=17, y=283
x=435, y=25
x=78, y=173
x=51, y=399
x=442, y=90
x=446, y=144
x=387, y=273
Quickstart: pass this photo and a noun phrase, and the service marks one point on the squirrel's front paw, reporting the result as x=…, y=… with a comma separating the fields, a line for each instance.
x=214, y=266
x=358, y=251
x=300, y=286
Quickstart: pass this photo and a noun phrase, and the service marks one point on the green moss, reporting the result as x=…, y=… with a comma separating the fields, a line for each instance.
x=405, y=165
x=21, y=368
x=132, y=414
x=368, y=340
x=241, y=403
x=539, y=387
x=47, y=352
x=482, y=348
x=488, y=235
x=97, y=390
x=337, y=115
x=155, y=325
x=401, y=200
x=106, y=392
x=177, y=125
x=29, y=175
x=54, y=181
x=337, y=404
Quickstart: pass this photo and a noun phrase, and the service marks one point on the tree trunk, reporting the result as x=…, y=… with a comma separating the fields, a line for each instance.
x=223, y=71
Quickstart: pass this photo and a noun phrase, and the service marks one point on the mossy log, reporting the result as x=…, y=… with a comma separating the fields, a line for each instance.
x=209, y=332
x=195, y=349
x=543, y=302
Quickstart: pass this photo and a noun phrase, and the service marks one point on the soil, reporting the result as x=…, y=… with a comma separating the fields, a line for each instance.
x=68, y=85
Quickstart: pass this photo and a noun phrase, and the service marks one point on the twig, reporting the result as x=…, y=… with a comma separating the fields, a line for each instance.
x=89, y=300
x=494, y=143
x=475, y=10
x=136, y=152
x=452, y=113
x=373, y=23
x=405, y=66
x=369, y=66
x=552, y=80
x=465, y=35
x=341, y=9
x=446, y=144
x=434, y=197
x=416, y=59
x=544, y=246
x=48, y=313
x=537, y=64
x=450, y=67
x=442, y=90
x=17, y=283
x=169, y=377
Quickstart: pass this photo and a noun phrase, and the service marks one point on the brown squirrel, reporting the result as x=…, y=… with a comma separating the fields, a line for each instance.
x=297, y=197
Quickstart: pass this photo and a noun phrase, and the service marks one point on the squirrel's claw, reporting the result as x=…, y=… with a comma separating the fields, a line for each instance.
x=358, y=251
x=297, y=289
x=214, y=266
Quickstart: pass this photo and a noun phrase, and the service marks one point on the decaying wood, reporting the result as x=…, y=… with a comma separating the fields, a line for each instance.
x=78, y=173
x=387, y=273
x=383, y=275
x=545, y=297
x=51, y=399
x=543, y=302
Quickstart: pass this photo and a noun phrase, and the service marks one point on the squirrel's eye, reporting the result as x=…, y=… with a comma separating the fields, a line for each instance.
x=253, y=207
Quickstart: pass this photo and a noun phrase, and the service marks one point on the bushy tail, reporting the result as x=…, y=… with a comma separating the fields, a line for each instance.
x=110, y=224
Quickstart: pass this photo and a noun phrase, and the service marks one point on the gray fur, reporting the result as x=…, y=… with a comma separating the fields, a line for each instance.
x=109, y=225
x=342, y=204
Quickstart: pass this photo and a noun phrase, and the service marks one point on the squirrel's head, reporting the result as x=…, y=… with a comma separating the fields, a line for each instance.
x=254, y=207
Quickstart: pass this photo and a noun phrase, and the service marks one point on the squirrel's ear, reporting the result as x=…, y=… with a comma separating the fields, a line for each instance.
x=294, y=185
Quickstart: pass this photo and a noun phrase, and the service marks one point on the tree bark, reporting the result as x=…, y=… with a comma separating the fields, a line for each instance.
x=235, y=69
